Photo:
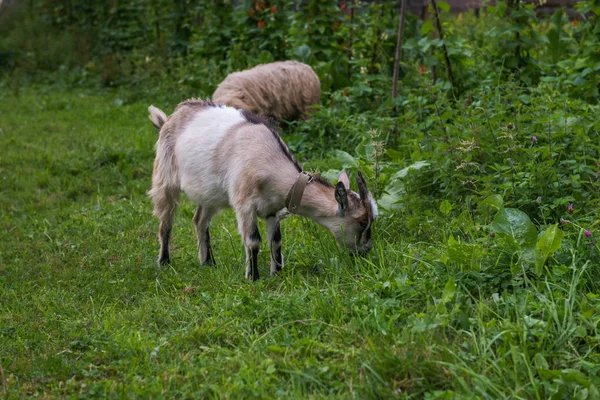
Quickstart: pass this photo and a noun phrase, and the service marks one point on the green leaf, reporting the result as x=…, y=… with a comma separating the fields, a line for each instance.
x=557, y=18
x=581, y=394
x=581, y=63
x=449, y=291
x=445, y=207
x=575, y=376
x=444, y=6
x=525, y=99
x=580, y=331
x=331, y=174
x=495, y=201
x=548, y=243
x=426, y=28
x=540, y=362
x=346, y=159
x=391, y=199
x=446, y=115
x=276, y=349
x=303, y=52
x=516, y=224
x=403, y=172
x=594, y=393
x=395, y=155
x=464, y=254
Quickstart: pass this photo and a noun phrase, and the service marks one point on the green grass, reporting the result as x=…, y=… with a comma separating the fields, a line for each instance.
x=85, y=311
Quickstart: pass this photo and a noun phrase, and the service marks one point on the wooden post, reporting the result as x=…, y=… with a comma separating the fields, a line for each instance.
x=375, y=45
x=441, y=34
x=518, y=48
x=398, y=57
x=350, y=42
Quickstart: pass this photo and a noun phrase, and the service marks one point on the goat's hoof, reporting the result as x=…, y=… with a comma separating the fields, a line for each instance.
x=276, y=268
x=253, y=277
x=164, y=261
x=276, y=271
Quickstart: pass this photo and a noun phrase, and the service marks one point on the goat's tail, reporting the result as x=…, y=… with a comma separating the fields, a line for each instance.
x=157, y=116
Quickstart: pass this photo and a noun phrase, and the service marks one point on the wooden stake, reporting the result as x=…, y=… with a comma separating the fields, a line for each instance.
x=441, y=35
x=399, y=48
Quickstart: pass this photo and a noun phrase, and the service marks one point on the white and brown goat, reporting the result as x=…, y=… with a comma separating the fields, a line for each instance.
x=223, y=157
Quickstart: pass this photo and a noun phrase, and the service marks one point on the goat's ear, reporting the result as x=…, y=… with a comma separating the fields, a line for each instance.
x=362, y=187
x=344, y=179
x=341, y=196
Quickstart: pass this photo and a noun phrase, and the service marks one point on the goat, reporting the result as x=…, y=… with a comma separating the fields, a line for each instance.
x=223, y=157
x=280, y=90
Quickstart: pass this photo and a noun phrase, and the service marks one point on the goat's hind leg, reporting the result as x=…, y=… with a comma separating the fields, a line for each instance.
x=274, y=236
x=202, y=219
x=165, y=204
x=248, y=227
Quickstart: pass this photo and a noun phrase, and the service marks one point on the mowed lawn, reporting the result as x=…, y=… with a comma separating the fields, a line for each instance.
x=86, y=312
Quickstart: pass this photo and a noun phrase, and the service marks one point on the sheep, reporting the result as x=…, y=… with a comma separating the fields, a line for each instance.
x=281, y=90
x=223, y=157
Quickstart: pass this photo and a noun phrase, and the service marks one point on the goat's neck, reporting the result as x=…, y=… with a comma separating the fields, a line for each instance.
x=318, y=202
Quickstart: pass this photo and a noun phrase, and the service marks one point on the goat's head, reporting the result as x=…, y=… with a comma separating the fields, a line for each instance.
x=355, y=214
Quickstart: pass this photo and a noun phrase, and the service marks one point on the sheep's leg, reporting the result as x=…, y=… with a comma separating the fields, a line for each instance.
x=274, y=235
x=248, y=227
x=165, y=205
x=202, y=219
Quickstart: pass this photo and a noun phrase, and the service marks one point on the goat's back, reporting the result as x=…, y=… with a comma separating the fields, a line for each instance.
x=216, y=149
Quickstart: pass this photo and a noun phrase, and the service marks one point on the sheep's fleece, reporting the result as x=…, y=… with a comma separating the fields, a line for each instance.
x=280, y=90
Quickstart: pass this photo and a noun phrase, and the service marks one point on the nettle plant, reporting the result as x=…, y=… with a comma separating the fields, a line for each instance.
x=315, y=36
x=517, y=40
x=263, y=23
x=580, y=72
x=513, y=244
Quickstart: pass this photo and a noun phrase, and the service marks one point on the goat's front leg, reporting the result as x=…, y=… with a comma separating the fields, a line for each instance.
x=274, y=235
x=202, y=219
x=248, y=227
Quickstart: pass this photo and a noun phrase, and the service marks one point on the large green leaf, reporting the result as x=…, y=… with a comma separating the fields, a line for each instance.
x=449, y=291
x=426, y=28
x=394, y=192
x=346, y=159
x=516, y=224
x=495, y=201
x=548, y=244
x=445, y=207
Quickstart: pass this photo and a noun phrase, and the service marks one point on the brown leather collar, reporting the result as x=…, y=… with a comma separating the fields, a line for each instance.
x=294, y=197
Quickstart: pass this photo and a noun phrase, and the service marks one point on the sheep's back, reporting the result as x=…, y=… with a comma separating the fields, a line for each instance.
x=281, y=90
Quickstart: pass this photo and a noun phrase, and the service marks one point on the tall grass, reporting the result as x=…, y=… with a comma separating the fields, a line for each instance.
x=85, y=311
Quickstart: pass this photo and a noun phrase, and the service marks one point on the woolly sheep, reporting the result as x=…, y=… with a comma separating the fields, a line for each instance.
x=281, y=90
